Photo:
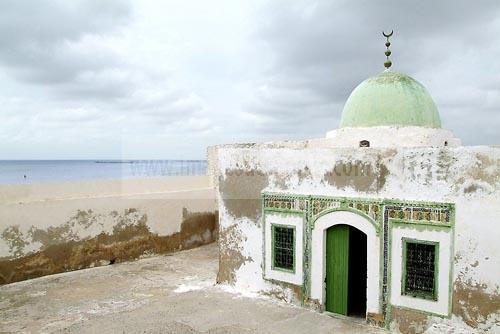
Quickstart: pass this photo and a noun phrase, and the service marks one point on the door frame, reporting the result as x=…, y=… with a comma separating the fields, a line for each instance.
x=318, y=255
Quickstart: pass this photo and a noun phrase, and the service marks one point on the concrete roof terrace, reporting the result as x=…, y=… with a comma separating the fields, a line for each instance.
x=173, y=293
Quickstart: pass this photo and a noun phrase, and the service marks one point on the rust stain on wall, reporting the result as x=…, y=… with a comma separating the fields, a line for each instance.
x=130, y=239
x=408, y=321
x=473, y=304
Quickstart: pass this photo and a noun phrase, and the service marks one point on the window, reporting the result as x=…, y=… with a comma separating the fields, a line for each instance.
x=283, y=247
x=420, y=260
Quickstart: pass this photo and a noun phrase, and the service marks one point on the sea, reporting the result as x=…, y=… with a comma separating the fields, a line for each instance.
x=36, y=171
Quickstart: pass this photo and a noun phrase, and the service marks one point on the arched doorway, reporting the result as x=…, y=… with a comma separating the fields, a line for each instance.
x=346, y=270
x=360, y=223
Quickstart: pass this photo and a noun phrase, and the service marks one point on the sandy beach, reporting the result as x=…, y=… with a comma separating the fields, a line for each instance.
x=102, y=188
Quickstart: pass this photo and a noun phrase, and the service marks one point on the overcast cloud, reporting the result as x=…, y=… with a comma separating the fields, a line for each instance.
x=164, y=79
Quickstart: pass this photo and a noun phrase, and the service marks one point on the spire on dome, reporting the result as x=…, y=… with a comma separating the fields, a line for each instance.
x=387, y=52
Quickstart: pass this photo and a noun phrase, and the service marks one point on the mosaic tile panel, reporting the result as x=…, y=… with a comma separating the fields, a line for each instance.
x=381, y=211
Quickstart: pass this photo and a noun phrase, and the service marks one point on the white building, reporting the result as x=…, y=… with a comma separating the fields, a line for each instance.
x=387, y=218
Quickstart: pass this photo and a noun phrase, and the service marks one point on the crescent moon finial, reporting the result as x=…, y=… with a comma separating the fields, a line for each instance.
x=388, y=62
x=388, y=35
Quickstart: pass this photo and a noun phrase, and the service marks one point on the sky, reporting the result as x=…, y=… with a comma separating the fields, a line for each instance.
x=99, y=79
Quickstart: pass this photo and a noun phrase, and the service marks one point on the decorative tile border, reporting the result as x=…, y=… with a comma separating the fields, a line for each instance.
x=284, y=202
x=380, y=212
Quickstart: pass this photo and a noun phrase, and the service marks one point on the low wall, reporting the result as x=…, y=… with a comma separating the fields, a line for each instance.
x=58, y=227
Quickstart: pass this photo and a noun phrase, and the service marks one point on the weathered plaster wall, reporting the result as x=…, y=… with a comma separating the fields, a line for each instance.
x=51, y=228
x=388, y=136
x=466, y=176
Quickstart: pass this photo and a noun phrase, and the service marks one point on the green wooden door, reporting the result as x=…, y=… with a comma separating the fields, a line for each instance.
x=337, y=268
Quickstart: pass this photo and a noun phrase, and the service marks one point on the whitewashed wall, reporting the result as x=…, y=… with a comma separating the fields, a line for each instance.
x=466, y=176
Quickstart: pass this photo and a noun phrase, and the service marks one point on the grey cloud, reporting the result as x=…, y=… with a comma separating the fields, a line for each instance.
x=27, y=26
x=61, y=46
x=147, y=72
x=326, y=48
x=48, y=22
x=39, y=40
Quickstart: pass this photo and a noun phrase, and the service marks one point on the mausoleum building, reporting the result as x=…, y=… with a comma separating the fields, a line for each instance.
x=387, y=218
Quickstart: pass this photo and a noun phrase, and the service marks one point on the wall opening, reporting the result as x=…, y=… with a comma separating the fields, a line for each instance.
x=346, y=270
x=419, y=268
x=372, y=256
x=364, y=143
x=283, y=239
x=357, y=273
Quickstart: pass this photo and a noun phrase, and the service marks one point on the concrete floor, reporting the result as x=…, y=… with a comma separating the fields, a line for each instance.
x=162, y=294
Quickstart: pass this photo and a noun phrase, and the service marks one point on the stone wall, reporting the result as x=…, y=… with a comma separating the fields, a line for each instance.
x=52, y=228
x=469, y=177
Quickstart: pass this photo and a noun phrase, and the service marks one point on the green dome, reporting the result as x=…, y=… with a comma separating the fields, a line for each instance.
x=390, y=99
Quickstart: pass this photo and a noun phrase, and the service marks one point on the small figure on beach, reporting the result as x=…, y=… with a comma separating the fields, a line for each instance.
x=25, y=176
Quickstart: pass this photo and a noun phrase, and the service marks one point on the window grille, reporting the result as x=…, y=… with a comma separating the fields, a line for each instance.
x=419, y=279
x=284, y=247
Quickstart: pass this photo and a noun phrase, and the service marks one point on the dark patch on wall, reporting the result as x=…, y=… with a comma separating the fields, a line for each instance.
x=473, y=304
x=230, y=257
x=14, y=238
x=240, y=191
x=360, y=175
x=445, y=162
x=314, y=304
x=375, y=319
x=486, y=170
x=384, y=172
x=53, y=235
x=304, y=174
x=279, y=292
x=198, y=228
x=409, y=321
x=279, y=180
x=130, y=239
x=472, y=188
x=83, y=219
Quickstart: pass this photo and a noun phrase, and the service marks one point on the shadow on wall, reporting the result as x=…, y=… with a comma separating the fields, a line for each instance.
x=130, y=239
